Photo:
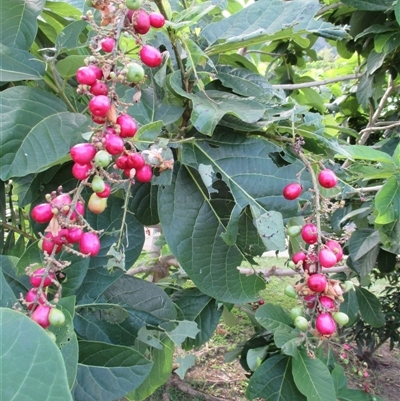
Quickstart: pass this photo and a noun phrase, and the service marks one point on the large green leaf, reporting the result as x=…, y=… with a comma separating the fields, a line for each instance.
x=273, y=381
x=195, y=306
x=370, y=5
x=387, y=201
x=36, y=130
x=362, y=241
x=312, y=378
x=144, y=203
x=19, y=65
x=18, y=24
x=350, y=306
x=107, y=372
x=273, y=317
x=31, y=365
x=267, y=20
x=8, y=298
x=193, y=228
x=362, y=152
x=370, y=307
x=18, y=283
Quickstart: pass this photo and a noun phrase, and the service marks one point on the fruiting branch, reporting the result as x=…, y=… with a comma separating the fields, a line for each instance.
x=276, y=271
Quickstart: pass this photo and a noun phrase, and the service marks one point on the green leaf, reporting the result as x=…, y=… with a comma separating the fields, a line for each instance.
x=22, y=376
x=192, y=228
x=19, y=65
x=265, y=21
x=370, y=5
x=36, y=130
x=312, y=378
x=387, y=201
x=397, y=12
x=350, y=306
x=355, y=395
x=195, y=306
x=147, y=134
x=144, y=203
x=339, y=378
x=19, y=283
x=185, y=363
x=18, y=22
x=210, y=106
x=374, y=61
x=362, y=152
x=370, y=307
x=274, y=317
x=363, y=241
x=288, y=341
x=70, y=37
x=184, y=330
x=160, y=372
x=273, y=381
x=255, y=356
x=68, y=66
x=108, y=372
x=8, y=298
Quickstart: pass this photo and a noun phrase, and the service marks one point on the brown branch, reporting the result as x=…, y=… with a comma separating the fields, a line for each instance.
x=159, y=266
x=317, y=83
x=17, y=230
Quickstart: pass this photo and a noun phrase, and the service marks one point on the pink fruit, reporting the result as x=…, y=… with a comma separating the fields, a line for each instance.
x=127, y=172
x=309, y=233
x=97, y=71
x=98, y=119
x=99, y=88
x=81, y=172
x=327, y=258
x=327, y=303
x=41, y=315
x=48, y=244
x=89, y=244
x=122, y=162
x=150, y=56
x=42, y=213
x=80, y=209
x=327, y=178
x=157, y=20
x=317, y=282
x=145, y=174
x=141, y=21
x=37, y=276
x=99, y=105
x=128, y=126
x=86, y=76
x=74, y=235
x=325, y=324
x=107, y=45
x=310, y=264
x=114, y=144
x=32, y=296
x=292, y=191
x=61, y=237
x=105, y=193
x=82, y=153
x=62, y=202
x=299, y=256
x=336, y=248
x=136, y=161
x=310, y=301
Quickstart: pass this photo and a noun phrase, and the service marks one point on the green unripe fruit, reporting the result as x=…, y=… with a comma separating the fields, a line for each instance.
x=301, y=323
x=349, y=285
x=135, y=73
x=294, y=231
x=291, y=264
x=102, y=159
x=98, y=185
x=340, y=318
x=296, y=312
x=133, y=4
x=56, y=317
x=290, y=291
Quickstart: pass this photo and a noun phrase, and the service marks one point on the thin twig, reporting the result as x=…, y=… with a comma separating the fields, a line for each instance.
x=323, y=10
x=380, y=128
x=317, y=83
x=273, y=271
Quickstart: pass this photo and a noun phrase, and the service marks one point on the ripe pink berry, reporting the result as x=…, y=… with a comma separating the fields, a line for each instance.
x=106, y=192
x=74, y=235
x=336, y=248
x=327, y=258
x=122, y=162
x=89, y=244
x=299, y=256
x=83, y=153
x=327, y=178
x=128, y=126
x=309, y=233
x=99, y=105
x=114, y=144
x=141, y=21
x=37, y=275
x=86, y=76
x=81, y=172
x=42, y=213
x=157, y=20
x=97, y=71
x=145, y=174
x=99, y=88
x=325, y=324
x=317, y=282
x=310, y=301
x=327, y=303
x=292, y=191
x=107, y=45
x=98, y=119
x=150, y=56
x=32, y=296
x=136, y=161
x=48, y=244
x=41, y=315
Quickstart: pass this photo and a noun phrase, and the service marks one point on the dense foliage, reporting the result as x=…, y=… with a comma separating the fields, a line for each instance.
x=238, y=107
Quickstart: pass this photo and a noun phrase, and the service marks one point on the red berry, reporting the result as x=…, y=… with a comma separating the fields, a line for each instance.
x=89, y=244
x=145, y=174
x=327, y=303
x=292, y=191
x=299, y=256
x=122, y=162
x=81, y=172
x=97, y=71
x=127, y=172
x=136, y=161
x=310, y=264
x=62, y=202
x=310, y=301
x=83, y=153
x=61, y=237
x=99, y=88
x=48, y=244
x=261, y=302
x=42, y=213
x=128, y=126
x=107, y=45
x=105, y=193
x=141, y=21
x=99, y=105
x=41, y=315
x=32, y=295
x=317, y=282
x=327, y=258
x=325, y=324
x=37, y=276
x=157, y=20
x=336, y=248
x=309, y=233
x=98, y=119
x=327, y=178
x=150, y=56
x=114, y=144
x=74, y=235
x=86, y=76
